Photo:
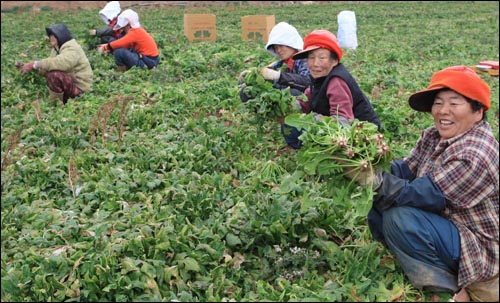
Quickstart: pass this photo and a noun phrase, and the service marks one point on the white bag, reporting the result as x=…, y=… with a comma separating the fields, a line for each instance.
x=346, y=34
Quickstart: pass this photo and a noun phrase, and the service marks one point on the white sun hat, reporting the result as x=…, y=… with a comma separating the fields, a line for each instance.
x=284, y=34
x=110, y=11
x=127, y=17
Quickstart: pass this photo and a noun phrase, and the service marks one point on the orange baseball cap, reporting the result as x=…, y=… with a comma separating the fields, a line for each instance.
x=461, y=79
x=319, y=38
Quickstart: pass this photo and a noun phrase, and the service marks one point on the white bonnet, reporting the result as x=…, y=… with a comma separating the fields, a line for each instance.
x=110, y=11
x=127, y=17
x=284, y=34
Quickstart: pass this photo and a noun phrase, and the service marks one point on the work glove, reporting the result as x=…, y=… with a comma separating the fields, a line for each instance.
x=270, y=74
x=92, y=32
x=317, y=117
x=291, y=135
x=298, y=106
x=102, y=48
x=366, y=177
x=389, y=188
x=340, y=119
x=243, y=94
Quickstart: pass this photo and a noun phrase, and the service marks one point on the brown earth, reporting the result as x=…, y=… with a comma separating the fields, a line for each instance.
x=67, y=5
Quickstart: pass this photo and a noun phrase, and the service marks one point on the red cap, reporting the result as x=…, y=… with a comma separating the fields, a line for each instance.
x=461, y=79
x=320, y=38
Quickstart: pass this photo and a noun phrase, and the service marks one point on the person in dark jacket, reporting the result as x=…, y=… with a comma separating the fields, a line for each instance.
x=333, y=91
x=284, y=41
x=109, y=14
x=137, y=48
x=67, y=69
x=437, y=209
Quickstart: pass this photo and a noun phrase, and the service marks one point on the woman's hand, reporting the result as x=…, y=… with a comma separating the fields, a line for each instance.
x=25, y=67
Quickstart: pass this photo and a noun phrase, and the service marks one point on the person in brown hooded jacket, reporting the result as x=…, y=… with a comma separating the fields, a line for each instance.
x=67, y=69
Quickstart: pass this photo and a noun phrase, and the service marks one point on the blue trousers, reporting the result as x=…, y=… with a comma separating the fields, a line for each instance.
x=130, y=58
x=426, y=245
x=291, y=135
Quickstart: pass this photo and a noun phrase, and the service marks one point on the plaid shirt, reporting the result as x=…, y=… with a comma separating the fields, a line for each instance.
x=465, y=168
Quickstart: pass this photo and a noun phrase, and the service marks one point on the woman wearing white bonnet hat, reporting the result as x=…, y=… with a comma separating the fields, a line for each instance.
x=284, y=41
x=128, y=17
x=284, y=34
x=136, y=48
x=109, y=14
x=110, y=11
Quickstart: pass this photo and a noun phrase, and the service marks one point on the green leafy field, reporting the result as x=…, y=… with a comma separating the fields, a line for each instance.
x=162, y=186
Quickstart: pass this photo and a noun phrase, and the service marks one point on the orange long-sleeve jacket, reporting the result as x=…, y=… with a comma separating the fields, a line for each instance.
x=139, y=39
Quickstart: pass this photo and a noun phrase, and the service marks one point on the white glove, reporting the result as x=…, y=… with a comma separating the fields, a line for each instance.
x=270, y=74
x=366, y=177
x=343, y=121
x=317, y=117
x=101, y=48
x=92, y=32
x=298, y=105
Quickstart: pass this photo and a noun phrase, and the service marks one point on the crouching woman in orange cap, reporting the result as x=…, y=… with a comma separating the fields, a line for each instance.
x=333, y=91
x=437, y=209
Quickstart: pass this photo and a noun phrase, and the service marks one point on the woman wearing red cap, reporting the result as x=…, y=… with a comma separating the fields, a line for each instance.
x=437, y=209
x=333, y=92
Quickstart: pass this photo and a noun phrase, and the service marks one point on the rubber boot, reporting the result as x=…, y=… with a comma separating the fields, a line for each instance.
x=58, y=98
x=121, y=68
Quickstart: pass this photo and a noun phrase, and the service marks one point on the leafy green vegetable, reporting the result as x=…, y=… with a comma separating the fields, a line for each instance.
x=267, y=101
x=176, y=199
x=330, y=147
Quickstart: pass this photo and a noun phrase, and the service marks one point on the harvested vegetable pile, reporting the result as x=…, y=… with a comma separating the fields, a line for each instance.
x=267, y=102
x=330, y=148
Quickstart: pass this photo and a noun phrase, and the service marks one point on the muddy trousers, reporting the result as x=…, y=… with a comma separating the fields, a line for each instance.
x=426, y=245
x=62, y=83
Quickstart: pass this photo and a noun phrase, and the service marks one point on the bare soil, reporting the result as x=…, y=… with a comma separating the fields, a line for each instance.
x=69, y=5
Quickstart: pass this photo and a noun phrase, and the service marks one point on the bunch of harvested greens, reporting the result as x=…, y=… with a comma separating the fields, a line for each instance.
x=329, y=147
x=266, y=101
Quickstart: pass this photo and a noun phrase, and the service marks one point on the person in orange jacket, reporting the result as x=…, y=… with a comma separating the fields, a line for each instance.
x=136, y=48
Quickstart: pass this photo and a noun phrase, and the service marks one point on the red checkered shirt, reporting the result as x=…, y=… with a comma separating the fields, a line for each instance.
x=465, y=168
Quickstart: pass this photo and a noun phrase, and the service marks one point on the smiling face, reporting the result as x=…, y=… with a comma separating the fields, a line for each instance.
x=320, y=62
x=453, y=115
